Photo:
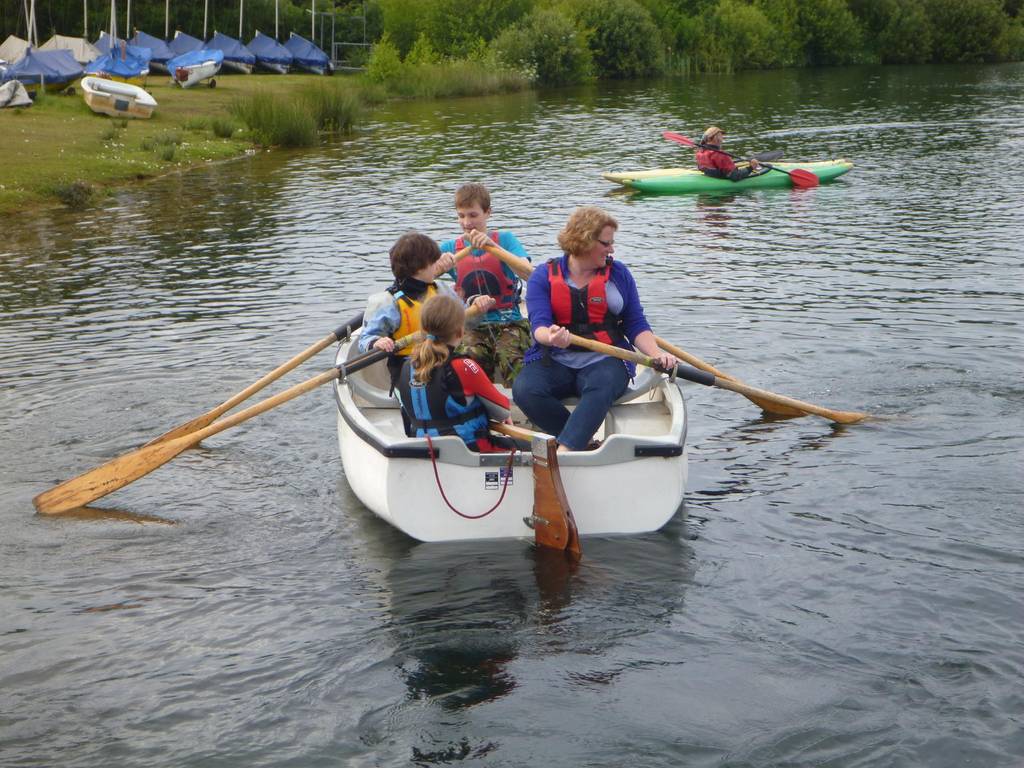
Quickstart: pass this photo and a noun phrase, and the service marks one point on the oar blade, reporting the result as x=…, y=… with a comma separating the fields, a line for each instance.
x=803, y=178
x=678, y=138
x=107, y=478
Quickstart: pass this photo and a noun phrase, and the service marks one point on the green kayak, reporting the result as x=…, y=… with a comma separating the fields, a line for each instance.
x=674, y=180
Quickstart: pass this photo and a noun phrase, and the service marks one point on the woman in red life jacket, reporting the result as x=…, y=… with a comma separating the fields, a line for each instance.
x=587, y=293
x=447, y=394
x=718, y=164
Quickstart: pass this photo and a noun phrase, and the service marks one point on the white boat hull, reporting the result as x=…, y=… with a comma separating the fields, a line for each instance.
x=188, y=76
x=117, y=99
x=634, y=483
x=238, y=66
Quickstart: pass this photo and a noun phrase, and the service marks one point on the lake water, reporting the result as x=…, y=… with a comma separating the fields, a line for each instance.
x=828, y=595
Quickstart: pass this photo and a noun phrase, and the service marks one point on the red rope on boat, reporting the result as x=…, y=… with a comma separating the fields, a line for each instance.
x=504, y=487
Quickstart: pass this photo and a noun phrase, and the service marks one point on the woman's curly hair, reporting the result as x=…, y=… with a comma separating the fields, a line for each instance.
x=583, y=228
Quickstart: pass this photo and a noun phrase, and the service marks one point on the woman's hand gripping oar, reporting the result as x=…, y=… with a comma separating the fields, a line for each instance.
x=125, y=469
x=710, y=380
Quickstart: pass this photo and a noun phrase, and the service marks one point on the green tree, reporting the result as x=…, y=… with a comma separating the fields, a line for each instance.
x=455, y=26
x=967, y=30
x=548, y=45
x=621, y=36
x=833, y=35
x=737, y=35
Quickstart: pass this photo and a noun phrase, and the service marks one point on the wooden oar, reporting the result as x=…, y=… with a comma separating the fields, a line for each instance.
x=554, y=525
x=125, y=469
x=210, y=416
x=799, y=176
x=765, y=405
x=710, y=380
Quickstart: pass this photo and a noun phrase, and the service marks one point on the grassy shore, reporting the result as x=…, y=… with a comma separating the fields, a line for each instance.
x=58, y=150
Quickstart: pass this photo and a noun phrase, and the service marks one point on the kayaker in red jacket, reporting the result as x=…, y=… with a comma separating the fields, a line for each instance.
x=718, y=164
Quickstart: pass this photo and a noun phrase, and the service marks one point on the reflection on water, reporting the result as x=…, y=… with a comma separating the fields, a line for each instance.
x=835, y=595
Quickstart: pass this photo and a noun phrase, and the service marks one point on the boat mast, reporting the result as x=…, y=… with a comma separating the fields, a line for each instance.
x=312, y=23
x=276, y=33
x=30, y=22
x=113, y=25
x=206, y=12
x=85, y=19
x=167, y=19
x=241, y=7
x=128, y=20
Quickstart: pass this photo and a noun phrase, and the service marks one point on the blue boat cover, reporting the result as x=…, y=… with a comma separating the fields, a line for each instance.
x=158, y=48
x=233, y=49
x=305, y=54
x=269, y=50
x=183, y=43
x=133, y=61
x=53, y=67
x=106, y=45
x=194, y=57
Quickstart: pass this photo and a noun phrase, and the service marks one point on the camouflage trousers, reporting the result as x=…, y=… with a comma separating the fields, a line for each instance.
x=498, y=348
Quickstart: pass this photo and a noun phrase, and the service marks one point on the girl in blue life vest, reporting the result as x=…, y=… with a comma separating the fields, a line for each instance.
x=587, y=293
x=447, y=394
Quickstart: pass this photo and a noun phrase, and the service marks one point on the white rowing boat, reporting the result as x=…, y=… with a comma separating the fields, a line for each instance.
x=633, y=483
x=117, y=99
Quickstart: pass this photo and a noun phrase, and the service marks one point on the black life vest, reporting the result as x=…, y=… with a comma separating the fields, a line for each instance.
x=434, y=408
x=584, y=311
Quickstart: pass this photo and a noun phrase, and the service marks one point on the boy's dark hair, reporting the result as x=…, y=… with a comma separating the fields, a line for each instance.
x=471, y=193
x=412, y=252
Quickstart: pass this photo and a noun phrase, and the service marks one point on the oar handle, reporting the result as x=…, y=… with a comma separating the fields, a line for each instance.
x=682, y=371
x=345, y=329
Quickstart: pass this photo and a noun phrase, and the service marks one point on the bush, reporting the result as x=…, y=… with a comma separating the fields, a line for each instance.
x=621, y=35
x=736, y=36
x=1013, y=40
x=196, y=124
x=906, y=37
x=967, y=30
x=385, y=61
x=222, y=128
x=167, y=153
x=75, y=194
x=276, y=121
x=402, y=21
x=832, y=32
x=455, y=26
x=787, y=38
x=332, y=106
x=421, y=52
x=547, y=46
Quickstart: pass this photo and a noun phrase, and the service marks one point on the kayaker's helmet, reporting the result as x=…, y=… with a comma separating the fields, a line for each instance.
x=710, y=134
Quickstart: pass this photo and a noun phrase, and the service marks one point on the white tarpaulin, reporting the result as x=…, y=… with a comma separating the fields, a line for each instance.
x=13, y=48
x=80, y=48
x=13, y=94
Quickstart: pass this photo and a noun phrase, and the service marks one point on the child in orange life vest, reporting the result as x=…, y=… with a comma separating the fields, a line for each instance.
x=394, y=313
x=443, y=393
x=500, y=339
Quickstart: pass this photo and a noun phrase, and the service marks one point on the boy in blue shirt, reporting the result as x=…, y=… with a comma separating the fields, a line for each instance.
x=494, y=269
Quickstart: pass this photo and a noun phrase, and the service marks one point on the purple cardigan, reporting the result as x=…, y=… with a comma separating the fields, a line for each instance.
x=538, y=306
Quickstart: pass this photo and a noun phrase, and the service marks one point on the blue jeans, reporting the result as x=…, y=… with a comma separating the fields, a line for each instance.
x=541, y=385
